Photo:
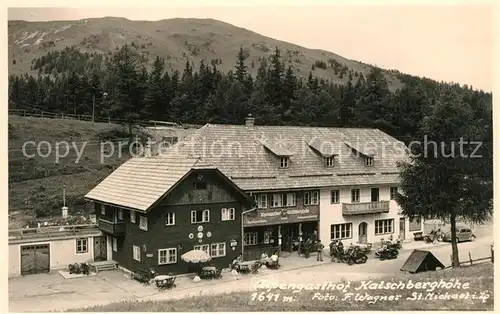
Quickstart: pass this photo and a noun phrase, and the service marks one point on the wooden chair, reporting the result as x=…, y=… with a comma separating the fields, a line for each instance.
x=218, y=273
x=255, y=267
x=168, y=283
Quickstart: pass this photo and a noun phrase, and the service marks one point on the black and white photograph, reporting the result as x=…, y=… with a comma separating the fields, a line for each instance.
x=250, y=157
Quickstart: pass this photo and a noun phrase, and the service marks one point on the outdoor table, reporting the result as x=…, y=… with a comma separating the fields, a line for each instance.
x=246, y=266
x=208, y=272
x=163, y=281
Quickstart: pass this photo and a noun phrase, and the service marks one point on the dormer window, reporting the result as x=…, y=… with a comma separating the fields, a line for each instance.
x=199, y=183
x=284, y=162
x=330, y=161
x=369, y=161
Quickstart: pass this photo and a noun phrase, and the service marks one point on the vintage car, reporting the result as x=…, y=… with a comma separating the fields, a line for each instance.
x=463, y=234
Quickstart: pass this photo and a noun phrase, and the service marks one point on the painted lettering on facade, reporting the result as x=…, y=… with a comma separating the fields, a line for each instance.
x=281, y=215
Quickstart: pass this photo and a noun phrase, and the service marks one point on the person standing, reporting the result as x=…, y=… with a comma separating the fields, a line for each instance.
x=319, y=248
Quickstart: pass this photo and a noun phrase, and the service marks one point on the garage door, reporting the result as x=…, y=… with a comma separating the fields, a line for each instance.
x=35, y=259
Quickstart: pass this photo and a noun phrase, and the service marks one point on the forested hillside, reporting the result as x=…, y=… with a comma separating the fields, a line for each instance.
x=68, y=80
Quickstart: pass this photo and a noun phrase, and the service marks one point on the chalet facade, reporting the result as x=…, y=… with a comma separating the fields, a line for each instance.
x=309, y=182
x=154, y=209
x=280, y=184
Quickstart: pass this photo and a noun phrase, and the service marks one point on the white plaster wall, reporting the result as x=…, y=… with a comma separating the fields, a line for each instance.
x=62, y=253
x=332, y=214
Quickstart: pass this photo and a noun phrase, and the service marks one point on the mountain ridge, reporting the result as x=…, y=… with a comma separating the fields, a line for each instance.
x=175, y=40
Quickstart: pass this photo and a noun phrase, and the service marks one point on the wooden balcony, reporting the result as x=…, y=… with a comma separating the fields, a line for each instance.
x=365, y=208
x=113, y=228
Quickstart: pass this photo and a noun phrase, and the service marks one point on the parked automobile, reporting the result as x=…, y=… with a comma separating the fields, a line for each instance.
x=463, y=234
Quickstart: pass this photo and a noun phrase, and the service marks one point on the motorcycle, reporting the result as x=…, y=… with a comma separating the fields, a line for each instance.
x=82, y=268
x=354, y=256
x=85, y=269
x=434, y=236
x=74, y=268
x=387, y=252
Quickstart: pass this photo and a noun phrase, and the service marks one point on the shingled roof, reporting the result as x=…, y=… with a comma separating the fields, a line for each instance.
x=141, y=181
x=248, y=155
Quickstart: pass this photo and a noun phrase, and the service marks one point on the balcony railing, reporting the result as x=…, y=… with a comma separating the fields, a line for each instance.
x=53, y=232
x=114, y=228
x=365, y=208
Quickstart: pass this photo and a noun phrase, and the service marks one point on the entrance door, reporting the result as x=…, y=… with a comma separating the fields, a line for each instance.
x=35, y=259
x=362, y=233
x=375, y=194
x=100, y=249
x=402, y=228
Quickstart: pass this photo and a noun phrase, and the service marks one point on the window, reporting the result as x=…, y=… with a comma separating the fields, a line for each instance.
x=290, y=200
x=284, y=200
x=115, y=244
x=167, y=256
x=199, y=183
x=415, y=224
x=203, y=248
x=311, y=198
x=82, y=245
x=355, y=195
x=284, y=162
x=250, y=238
x=315, y=198
x=169, y=219
x=143, y=223
x=103, y=209
x=120, y=213
x=394, y=192
x=341, y=231
x=267, y=237
x=384, y=226
x=277, y=200
x=330, y=161
x=260, y=200
x=199, y=216
x=335, y=196
x=368, y=161
x=218, y=249
x=132, y=216
x=375, y=194
x=228, y=214
x=307, y=198
x=136, y=253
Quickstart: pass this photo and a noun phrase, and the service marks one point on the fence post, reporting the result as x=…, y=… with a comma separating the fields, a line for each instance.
x=492, y=254
x=109, y=120
x=470, y=259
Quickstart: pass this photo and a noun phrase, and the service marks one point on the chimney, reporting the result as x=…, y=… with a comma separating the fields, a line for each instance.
x=249, y=120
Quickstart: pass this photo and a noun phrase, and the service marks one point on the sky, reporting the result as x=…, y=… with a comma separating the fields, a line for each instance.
x=449, y=43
